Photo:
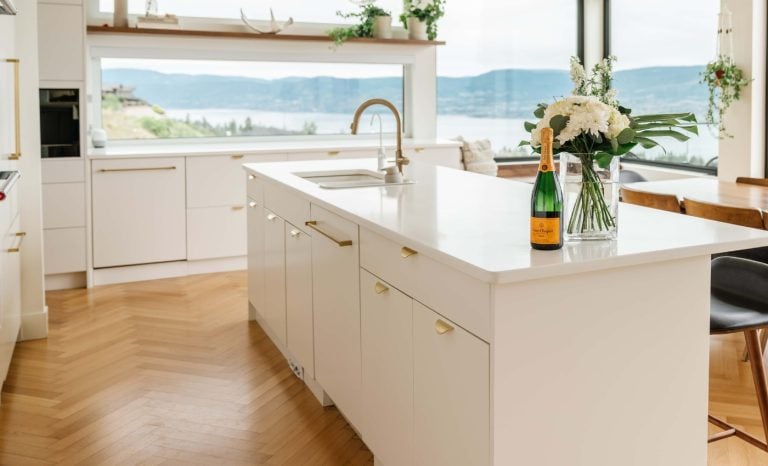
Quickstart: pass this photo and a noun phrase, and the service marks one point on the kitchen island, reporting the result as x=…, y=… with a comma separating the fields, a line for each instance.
x=422, y=313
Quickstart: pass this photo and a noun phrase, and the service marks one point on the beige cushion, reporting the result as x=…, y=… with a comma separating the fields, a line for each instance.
x=478, y=156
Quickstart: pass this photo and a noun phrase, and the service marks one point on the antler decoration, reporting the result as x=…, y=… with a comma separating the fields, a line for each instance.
x=274, y=26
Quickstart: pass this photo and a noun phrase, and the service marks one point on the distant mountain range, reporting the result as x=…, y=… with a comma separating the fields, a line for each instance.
x=508, y=93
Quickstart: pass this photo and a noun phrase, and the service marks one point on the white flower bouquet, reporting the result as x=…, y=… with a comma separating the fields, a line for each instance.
x=592, y=126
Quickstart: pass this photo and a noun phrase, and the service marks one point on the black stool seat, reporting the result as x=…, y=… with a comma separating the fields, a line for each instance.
x=727, y=317
x=739, y=298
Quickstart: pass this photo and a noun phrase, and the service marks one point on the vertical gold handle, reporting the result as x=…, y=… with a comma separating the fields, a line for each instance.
x=380, y=288
x=17, y=108
x=406, y=252
x=442, y=327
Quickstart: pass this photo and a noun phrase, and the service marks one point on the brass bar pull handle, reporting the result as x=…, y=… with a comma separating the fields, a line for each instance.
x=140, y=169
x=295, y=233
x=238, y=207
x=17, y=107
x=237, y=157
x=21, y=233
x=333, y=153
x=442, y=327
x=380, y=288
x=251, y=204
x=340, y=243
x=406, y=252
x=21, y=236
x=418, y=150
x=271, y=217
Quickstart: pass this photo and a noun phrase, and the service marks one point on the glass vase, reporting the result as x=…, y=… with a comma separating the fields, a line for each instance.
x=591, y=197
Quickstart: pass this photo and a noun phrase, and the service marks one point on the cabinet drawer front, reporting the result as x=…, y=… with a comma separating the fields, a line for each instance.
x=287, y=205
x=387, y=359
x=456, y=295
x=9, y=207
x=63, y=205
x=139, y=211
x=274, y=275
x=298, y=290
x=218, y=180
x=63, y=171
x=451, y=393
x=64, y=250
x=214, y=232
x=442, y=156
x=334, y=154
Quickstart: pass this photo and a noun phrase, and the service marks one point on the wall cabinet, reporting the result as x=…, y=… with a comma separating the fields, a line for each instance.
x=61, y=35
x=139, y=211
x=336, y=300
x=387, y=370
x=274, y=275
x=298, y=287
x=451, y=392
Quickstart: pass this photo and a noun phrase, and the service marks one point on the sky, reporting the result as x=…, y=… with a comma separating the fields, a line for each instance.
x=481, y=35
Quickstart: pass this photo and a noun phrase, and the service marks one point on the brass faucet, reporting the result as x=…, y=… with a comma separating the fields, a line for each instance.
x=400, y=160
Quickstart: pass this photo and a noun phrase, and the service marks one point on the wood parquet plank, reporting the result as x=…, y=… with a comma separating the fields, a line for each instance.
x=170, y=372
x=161, y=373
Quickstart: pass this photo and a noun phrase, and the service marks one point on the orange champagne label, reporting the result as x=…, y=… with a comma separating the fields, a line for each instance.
x=545, y=230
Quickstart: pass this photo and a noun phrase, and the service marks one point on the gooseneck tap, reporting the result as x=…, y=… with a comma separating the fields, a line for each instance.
x=400, y=160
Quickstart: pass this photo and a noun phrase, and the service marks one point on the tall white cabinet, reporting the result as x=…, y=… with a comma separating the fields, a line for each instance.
x=11, y=247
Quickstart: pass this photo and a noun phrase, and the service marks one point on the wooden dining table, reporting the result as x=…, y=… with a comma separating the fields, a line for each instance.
x=709, y=190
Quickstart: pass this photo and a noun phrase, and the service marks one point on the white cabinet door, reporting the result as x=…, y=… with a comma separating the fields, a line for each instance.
x=274, y=275
x=64, y=250
x=336, y=294
x=256, y=256
x=214, y=232
x=219, y=180
x=387, y=352
x=139, y=212
x=451, y=393
x=10, y=295
x=298, y=292
x=63, y=205
x=60, y=33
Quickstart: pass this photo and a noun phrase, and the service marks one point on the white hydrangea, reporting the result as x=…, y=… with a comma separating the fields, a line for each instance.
x=587, y=115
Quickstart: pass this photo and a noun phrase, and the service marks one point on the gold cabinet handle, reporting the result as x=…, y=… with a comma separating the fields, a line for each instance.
x=17, y=108
x=139, y=169
x=339, y=242
x=271, y=217
x=442, y=327
x=419, y=150
x=295, y=233
x=333, y=153
x=406, y=252
x=21, y=236
x=252, y=204
x=237, y=157
x=238, y=207
x=21, y=233
x=251, y=177
x=380, y=288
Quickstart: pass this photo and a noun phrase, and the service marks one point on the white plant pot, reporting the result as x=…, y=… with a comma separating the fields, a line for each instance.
x=121, y=14
x=382, y=27
x=417, y=29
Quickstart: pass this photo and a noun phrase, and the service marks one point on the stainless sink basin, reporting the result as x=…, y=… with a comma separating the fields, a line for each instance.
x=346, y=179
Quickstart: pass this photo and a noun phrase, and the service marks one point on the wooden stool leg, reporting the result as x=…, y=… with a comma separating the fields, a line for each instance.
x=763, y=341
x=755, y=351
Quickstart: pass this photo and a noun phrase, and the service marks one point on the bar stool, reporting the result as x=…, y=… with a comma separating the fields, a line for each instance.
x=739, y=303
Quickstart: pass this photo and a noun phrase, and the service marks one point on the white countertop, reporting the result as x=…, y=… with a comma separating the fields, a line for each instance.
x=480, y=224
x=202, y=148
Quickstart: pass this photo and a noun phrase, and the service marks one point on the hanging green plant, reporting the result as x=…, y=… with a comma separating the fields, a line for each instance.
x=367, y=15
x=724, y=81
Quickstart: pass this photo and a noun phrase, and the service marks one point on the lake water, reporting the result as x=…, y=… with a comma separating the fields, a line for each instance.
x=502, y=132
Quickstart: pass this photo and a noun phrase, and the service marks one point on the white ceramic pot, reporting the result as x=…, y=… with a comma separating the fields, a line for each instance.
x=121, y=14
x=382, y=27
x=417, y=29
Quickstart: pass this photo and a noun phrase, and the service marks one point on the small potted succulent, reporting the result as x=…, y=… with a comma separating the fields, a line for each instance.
x=724, y=81
x=374, y=22
x=421, y=19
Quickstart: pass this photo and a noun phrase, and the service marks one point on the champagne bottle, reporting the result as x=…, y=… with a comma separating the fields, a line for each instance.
x=546, y=200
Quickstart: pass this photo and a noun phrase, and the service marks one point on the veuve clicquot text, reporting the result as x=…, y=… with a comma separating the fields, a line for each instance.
x=546, y=200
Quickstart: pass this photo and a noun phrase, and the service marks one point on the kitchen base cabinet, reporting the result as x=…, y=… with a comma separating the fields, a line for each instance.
x=336, y=295
x=214, y=232
x=298, y=287
x=255, y=256
x=10, y=294
x=274, y=275
x=387, y=374
x=451, y=393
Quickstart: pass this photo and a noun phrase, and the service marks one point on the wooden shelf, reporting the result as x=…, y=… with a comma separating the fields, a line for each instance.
x=248, y=35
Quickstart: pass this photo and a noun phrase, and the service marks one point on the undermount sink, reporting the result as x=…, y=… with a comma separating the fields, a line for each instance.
x=346, y=179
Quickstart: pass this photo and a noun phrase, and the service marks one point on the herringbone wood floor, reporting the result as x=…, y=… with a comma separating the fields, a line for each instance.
x=171, y=372
x=163, y=372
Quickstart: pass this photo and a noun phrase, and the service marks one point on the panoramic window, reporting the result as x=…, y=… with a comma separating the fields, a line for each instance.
x=500, y=61
x=660, y=58
x=302, y=11
x=161, y=99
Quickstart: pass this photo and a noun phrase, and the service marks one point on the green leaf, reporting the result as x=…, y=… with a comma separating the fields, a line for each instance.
x=646, y=143
x=626, y=136
x=529, y=126
x=614, y=145
x=664, y=116
x=524, y=143
x=603, y=159
x=558, y=123
x=663, y=134
x=539, y=112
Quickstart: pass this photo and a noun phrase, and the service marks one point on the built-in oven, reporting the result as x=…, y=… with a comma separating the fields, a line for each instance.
x=60, y=122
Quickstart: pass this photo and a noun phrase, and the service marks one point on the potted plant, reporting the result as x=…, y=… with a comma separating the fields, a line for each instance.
x=724, y=81
x=374, y=21
x=421, y=21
